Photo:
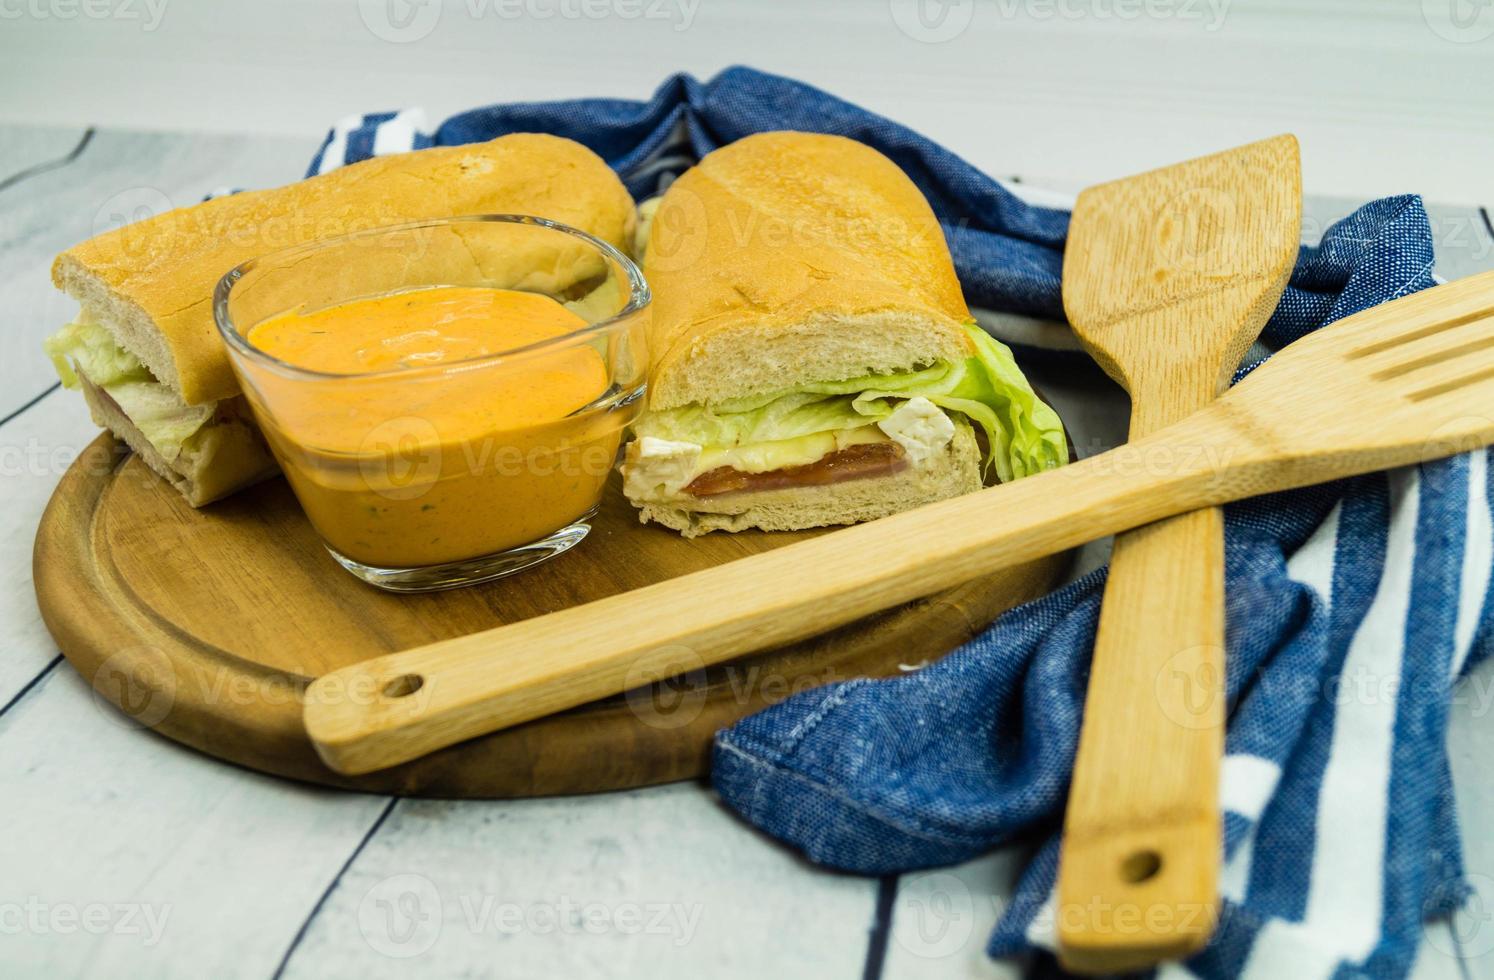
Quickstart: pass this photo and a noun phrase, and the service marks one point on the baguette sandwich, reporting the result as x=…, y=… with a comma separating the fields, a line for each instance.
x=812, y=359
x=144, y=349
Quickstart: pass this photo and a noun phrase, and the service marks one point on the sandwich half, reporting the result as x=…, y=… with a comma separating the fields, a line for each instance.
x=144, y=349
x=812, y=359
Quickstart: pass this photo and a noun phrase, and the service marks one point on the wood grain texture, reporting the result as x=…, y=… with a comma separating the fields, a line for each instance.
x=1168, y=279
x=1420, y=366
x=208, y=626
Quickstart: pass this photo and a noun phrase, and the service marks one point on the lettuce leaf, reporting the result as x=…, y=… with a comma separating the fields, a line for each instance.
x=92, y=350
x=159, y=413
x=87, y=349
x=779, y=418
x=1024, y=434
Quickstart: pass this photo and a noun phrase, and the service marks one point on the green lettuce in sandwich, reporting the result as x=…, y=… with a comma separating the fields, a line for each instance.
x=812, y=359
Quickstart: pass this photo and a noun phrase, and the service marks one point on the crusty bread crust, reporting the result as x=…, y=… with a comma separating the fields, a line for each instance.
x=788, y=258
x=227, y=454
x=956, y=471
x=151, y=283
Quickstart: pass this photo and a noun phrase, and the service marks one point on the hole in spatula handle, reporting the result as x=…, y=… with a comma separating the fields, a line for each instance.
x=1141, y=866
x=403, y=686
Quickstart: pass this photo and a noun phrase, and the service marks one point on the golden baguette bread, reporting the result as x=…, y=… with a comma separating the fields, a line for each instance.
x=152, y=282
x=146, y=289
x=762, y=254
x=812, y=358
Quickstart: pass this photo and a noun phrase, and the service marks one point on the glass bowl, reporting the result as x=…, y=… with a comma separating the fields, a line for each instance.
x=431, y=476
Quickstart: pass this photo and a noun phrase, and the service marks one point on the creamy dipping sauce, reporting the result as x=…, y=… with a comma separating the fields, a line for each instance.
x=441, y=457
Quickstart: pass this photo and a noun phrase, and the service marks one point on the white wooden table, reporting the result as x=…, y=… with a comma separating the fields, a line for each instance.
x=126, y=855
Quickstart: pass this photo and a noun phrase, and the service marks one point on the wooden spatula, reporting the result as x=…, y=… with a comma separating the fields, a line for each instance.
x=1407, y=381
x=1168, y=278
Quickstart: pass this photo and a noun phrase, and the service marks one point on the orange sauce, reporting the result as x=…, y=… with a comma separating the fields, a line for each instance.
x=438, y=457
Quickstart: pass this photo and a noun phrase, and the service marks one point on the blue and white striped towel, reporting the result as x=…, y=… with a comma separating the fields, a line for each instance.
x=1353, y=608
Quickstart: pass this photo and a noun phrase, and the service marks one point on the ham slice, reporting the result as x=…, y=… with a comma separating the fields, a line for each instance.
x=851, y=463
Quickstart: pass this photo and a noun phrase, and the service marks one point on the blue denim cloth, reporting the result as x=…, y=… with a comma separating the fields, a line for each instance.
x=1352, y=608
x=1008, y=254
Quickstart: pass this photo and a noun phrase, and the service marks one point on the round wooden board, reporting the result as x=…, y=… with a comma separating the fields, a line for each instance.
x=207, y=626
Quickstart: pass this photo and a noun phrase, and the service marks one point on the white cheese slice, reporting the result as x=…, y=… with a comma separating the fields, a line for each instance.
x=658, y=468
x=920, y=427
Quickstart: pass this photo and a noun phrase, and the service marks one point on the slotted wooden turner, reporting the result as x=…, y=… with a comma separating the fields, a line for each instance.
x=1407, y=381
x=1168, y=277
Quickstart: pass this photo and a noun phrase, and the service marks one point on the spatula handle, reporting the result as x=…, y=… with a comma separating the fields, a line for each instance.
x=398, y=707
x=1138, y=877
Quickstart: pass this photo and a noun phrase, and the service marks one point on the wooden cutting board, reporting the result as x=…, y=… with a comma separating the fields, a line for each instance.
x=207, y=626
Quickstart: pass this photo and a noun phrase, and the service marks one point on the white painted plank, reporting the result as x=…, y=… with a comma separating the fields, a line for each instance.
x=38, y=217
x=1461, y=238
x=942, y=919
x=117, y=174
x=1386, y=94
x=1470, y=747
x=115, y=834
x=660, y=882
x=214, y=866
x=25, y=147
x=35, y=449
